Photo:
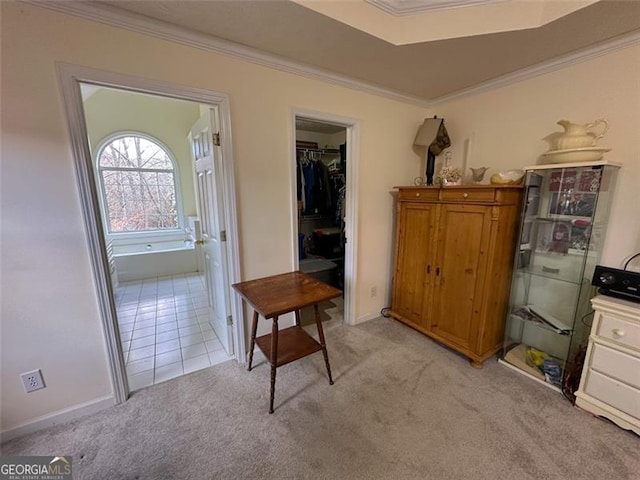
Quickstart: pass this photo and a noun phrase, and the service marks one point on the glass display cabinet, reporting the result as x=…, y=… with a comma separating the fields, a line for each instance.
x=562, y=231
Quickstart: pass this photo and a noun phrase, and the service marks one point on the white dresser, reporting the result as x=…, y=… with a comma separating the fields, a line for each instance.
x=610, y=383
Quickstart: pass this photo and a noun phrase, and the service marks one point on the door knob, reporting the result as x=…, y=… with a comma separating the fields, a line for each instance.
x=200, y=241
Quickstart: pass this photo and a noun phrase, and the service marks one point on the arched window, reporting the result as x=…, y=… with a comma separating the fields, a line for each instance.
x=138, y=182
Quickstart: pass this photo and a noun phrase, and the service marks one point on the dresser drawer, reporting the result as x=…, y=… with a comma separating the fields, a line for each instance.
x=620, y=331
x=419, y=194
x=615, y=364
x=614, y=393
x=453, y=194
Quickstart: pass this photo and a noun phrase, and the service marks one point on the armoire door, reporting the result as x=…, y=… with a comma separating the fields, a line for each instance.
x=463, y=242
x=414, y=260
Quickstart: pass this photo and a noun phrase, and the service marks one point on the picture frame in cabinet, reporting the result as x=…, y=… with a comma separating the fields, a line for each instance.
x=554, y=237
x=572, y=203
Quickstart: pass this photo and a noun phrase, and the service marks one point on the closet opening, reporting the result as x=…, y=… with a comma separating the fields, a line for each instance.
x=321, y=190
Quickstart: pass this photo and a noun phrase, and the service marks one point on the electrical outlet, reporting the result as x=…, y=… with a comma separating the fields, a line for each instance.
x=374, y=291
x=32, y=380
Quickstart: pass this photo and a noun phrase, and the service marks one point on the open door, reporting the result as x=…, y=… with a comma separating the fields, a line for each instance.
x=207, y=159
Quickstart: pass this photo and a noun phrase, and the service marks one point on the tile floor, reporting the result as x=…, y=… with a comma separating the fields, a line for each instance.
x=164, y=328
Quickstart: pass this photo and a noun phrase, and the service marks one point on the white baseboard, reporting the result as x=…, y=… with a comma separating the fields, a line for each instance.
x=366, y=317
x=57, y=418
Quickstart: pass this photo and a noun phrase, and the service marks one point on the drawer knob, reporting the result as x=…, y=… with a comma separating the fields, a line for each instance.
x=618, y=333
x=465, y=195
x=417, y=194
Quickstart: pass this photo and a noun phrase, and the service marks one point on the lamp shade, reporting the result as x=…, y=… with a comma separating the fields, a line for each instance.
x=427, y=132
x=433, y=135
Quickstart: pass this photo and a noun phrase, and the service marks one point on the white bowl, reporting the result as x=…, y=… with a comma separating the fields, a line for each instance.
x=587, y=154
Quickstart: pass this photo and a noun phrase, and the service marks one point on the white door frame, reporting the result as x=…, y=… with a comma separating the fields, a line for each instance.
x=351, y=201
x=70, y=77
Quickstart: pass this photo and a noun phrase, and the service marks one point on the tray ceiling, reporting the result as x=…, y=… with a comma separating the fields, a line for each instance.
x=425, y=70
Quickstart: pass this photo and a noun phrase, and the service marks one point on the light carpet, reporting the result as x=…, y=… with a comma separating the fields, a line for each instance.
x=402, y=407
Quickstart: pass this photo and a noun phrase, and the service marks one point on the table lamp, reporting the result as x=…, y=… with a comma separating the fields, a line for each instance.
x=433, y=135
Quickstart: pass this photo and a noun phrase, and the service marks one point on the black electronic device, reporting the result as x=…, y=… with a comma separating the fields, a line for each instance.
x=617, y=283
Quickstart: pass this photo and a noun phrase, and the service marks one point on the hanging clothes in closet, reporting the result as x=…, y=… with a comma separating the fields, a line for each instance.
x=314, y=188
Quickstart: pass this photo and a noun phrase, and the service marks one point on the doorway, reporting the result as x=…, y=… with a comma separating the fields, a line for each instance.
x=324, y=226
x=138, y=289
x=158, y=179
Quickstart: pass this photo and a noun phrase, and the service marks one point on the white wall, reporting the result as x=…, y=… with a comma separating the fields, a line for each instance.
x=508, y=125
x=49, y=308
x=111, y=111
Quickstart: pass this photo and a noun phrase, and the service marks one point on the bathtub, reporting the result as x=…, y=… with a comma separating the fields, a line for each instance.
x=154, y=259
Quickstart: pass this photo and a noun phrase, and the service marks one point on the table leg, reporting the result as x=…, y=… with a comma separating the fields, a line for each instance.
x=254, y=327
x=322, y=344
x=274, y=360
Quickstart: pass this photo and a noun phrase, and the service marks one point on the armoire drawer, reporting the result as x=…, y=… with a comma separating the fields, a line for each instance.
x=615, y=364
x=419, y=194
x=468, y=195
x=619, y=331
x=614, y=393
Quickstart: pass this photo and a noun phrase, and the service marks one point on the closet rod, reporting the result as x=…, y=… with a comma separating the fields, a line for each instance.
x=324, y=151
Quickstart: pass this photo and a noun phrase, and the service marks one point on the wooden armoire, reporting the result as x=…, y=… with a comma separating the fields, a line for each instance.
x=454, y=255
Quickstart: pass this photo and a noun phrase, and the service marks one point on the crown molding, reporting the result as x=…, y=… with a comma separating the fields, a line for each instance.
x=584, y=55
x=108, y=15
x=401, y=9
x=134, y=22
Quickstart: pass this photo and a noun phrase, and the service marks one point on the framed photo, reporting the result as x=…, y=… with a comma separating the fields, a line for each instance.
x=572, y=203
x=554, y=237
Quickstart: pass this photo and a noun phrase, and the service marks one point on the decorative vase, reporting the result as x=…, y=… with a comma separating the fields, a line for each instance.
x=449, y=183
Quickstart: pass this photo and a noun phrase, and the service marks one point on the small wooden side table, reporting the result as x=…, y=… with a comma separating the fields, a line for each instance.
x=279, y=294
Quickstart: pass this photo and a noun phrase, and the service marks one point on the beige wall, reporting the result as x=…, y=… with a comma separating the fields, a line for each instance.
x=110, y=111
x=44, y=251
x=508, y=126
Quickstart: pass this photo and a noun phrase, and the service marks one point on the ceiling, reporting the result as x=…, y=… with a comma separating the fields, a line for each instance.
x=401, y=22
x=425, y=70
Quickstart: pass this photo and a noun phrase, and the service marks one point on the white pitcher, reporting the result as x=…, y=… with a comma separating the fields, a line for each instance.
x=579, y=136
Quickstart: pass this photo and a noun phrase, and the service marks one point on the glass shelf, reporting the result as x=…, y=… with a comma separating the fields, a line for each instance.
x=548, y=273
x=537, y=323
x=563, y=226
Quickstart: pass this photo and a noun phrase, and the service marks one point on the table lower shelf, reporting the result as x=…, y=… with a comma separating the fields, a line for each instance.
x=293, y=344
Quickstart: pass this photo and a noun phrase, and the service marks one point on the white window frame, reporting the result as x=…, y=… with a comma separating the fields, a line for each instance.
x=126, y=237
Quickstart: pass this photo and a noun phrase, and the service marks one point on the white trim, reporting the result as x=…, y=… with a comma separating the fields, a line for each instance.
x=231, y=223
x=399, y=9
x=351, y=223
x=351, y=201
x=156, y=28
x=367, y=317
x=70, y=77
x=69, y=80
x=527, y=73
x=598, y=163
x=56, y=418
x=177, y=184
